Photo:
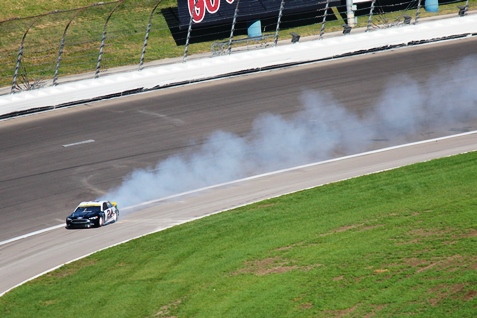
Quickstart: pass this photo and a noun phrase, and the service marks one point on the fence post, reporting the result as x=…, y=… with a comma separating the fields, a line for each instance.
x=186, y=48
x=229, y=49
x=282, y=5
x=148, y=29
x=322, y=30
x=370, y=15
x=20, y=55
x=418, y=11
x=62, y=44
x=103, y=39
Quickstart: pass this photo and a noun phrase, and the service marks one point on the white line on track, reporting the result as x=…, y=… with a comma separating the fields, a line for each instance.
x=79, y=143
x=31, y=234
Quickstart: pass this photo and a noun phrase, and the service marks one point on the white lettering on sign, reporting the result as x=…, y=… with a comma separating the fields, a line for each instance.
x=197, y=8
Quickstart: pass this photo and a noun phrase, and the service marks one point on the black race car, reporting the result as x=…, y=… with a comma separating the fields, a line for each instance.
x=93, y=214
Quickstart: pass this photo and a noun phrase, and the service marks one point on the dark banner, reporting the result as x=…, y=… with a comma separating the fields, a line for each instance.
x=210, y=12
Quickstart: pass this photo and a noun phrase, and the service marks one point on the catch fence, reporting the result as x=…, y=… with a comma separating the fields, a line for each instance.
x=91, y=41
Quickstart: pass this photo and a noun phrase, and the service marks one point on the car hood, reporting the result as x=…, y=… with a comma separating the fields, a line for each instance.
x=84, y=215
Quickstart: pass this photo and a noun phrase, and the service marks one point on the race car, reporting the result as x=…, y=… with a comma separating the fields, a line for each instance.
x=93, y=213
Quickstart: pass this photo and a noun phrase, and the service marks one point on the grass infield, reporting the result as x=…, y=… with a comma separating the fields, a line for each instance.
x=398, y=243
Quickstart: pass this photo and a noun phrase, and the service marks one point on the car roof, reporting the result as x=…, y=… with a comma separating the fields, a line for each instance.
x=90, y=203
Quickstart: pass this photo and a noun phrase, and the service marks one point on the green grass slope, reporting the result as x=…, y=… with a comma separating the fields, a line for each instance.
x=394, y=244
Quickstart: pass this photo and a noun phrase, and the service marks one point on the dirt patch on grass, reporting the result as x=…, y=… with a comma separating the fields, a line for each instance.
x=376, y=309
x=427, y=233
x=272, y=265
x=48, y=302
x=306, y=306
x=417, y=235
x=451, y=263
x=471, y=294
x=342, y=229
x=288, y=247
x=415, y=262
x=360, y=227
x=470, y=233
x=370, y=227
x=340, y=313
x=443, y=291
x=165, y=311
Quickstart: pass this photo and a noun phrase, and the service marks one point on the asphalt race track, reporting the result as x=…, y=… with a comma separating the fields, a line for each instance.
x=52, y=161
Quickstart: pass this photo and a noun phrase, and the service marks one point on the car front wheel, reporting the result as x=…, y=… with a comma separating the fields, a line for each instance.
x=100, y=221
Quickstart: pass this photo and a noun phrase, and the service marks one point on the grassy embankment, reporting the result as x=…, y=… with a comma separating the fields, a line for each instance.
x=125, y=35
x=394, y=244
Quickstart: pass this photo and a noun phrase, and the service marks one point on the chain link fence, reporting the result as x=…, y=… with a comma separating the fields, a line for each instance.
x=91, y=41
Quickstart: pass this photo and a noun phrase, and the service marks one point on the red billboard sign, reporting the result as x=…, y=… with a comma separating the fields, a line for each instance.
x=197, y=8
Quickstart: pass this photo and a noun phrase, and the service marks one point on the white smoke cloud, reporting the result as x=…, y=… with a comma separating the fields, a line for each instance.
x=323, y=129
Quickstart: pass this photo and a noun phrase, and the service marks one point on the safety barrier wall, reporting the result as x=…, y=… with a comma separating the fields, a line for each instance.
x=45, y=50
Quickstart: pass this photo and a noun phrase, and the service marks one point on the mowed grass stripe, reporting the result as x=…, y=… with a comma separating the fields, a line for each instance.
x=397, y=243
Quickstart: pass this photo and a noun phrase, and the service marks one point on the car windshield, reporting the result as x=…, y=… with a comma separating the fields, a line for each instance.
x=88, y=209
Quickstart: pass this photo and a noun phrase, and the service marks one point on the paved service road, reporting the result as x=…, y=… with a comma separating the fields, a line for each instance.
x=51, y=161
